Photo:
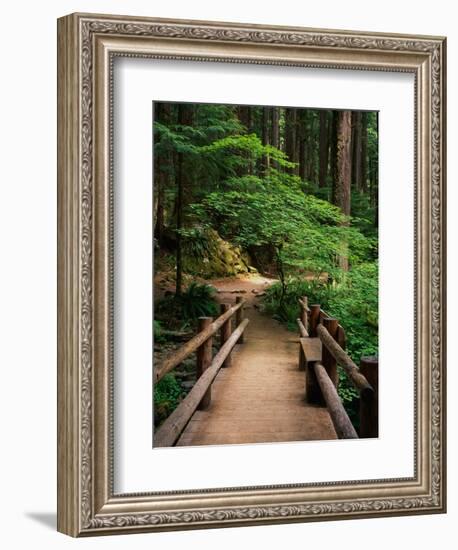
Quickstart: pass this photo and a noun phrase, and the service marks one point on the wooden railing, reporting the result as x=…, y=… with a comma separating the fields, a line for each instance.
x=322, y=376
x=207, y=367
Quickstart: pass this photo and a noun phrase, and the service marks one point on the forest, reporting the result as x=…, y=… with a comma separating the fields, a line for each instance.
x=289, y=193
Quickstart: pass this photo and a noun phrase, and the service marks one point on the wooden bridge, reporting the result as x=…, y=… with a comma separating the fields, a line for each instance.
x=259, y=388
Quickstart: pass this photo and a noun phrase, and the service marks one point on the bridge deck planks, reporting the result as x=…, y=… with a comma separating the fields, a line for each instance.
x=261, y=397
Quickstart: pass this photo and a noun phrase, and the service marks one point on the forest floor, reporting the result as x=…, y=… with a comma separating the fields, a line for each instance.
x=261, y=397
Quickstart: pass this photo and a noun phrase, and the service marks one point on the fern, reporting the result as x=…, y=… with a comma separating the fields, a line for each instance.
x=198, y=301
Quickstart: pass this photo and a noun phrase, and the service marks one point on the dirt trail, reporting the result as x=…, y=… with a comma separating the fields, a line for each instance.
x=260, y=398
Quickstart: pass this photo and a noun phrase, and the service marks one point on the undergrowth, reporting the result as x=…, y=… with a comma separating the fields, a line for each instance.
x=354, y=302
x=167, y=394
x=178, y=312
x=182, y=311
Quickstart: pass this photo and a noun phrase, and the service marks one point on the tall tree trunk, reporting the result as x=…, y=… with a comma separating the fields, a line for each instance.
x=157, y=173
x=266, y=126
x=311, y=149
x=342, y=192
x=161, y=174
x=373, y=189
x=343, y=162
x=356, y=150
x=290, y=134
x=323, y=148
x=301, y=138
x=376, y=195
x=275, y=130
x=333, y=155
x=245, y=116
x=302, y=156
x=179, y=225
x=375, y=172
x=185, y=118
x=363, y=152
x=276, y=127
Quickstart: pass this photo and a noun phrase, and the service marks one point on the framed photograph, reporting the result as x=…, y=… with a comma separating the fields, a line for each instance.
x=251, y=290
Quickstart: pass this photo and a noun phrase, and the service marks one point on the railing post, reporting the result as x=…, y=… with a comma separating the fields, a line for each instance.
x=329, y=363
x=314, y=319
x=368, y=411
x=204, y=359
x=225, y=334
x=301, y=357
x=239, y=316
x=313, y=393
x=304, y=315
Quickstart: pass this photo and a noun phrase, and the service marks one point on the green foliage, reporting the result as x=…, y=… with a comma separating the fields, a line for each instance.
x=158, y=332
x=228, y=156
x=307, y=233
x=349, y=396
x=197, y=242
x=260, y=206
x=372, y=143
x=354, y=302
x=242, y=198
x=167, y=393
x=363, y=214
x=196, y=301
x=295, y=288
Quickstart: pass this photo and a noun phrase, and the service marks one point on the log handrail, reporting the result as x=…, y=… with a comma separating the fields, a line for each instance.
x=304, y=314
x=321, y=377
x=171, y=429
x=303, y=304
x=307, y=309
x=340, y=420
x=192, y=345
x=302, y=330
x=344, y=360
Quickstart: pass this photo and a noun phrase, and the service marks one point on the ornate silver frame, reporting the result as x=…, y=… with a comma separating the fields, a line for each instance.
x=87, y=44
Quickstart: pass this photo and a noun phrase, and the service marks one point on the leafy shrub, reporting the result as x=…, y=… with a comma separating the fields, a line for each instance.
x=167, y=393
x=158, y=332
x=354, y=302
x=197, y=242
x=287, y=311
x=196, y=301
x=349, y=396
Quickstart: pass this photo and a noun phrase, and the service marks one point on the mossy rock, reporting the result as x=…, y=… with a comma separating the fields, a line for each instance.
x=222, y=260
